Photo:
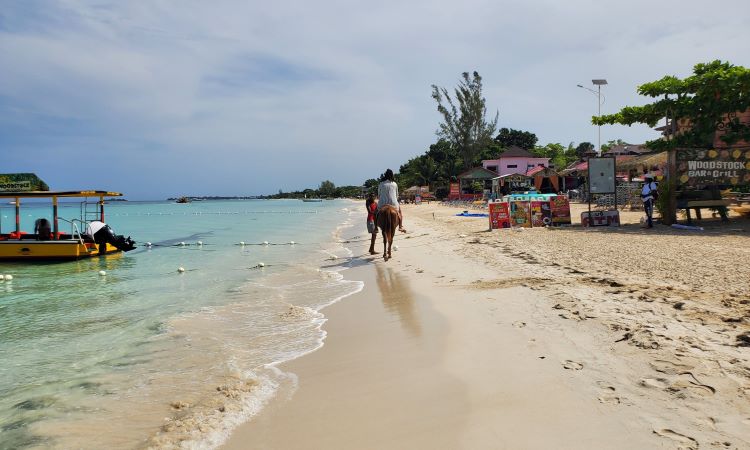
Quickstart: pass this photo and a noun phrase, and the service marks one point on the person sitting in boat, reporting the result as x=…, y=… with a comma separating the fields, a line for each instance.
x=43, y=230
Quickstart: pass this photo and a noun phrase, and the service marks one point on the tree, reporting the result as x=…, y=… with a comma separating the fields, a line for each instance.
x=508, y=137
x=327, y=189
x=371, y=185
x=583, y=148
x=704, y=102
x=612, y=143
x=465, y=125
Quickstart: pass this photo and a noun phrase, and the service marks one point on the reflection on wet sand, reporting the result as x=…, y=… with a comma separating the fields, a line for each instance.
x=398, y=298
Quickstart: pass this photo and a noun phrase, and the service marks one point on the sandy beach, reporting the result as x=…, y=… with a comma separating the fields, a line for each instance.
x=564, y=338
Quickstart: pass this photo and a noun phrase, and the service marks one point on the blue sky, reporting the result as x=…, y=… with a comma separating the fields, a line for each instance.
x=164, y=98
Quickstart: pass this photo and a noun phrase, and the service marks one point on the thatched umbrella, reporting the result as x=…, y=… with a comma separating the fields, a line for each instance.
x=650, y=160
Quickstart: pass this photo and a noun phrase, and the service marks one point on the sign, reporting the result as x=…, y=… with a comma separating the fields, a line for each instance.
x=602, y=175
x=519, y=214
x=19, y=182
x=455, y=191
x=539, y=212
x=417, y=200
x=560, y=210
x=718, y=166
x=601, y=218
x=499, y=215
x=15, y=186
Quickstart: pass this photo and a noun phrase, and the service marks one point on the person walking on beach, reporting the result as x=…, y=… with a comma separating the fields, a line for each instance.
x=372, y=206
x=649, y=194
x=388, y=195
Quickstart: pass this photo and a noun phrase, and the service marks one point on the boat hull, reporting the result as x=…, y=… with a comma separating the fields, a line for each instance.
x=52, y=250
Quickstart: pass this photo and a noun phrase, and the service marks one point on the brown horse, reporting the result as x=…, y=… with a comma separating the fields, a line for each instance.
x=387, y=222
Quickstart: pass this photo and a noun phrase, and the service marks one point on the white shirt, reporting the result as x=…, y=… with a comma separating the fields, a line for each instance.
x=387, y=194
x=648, y=188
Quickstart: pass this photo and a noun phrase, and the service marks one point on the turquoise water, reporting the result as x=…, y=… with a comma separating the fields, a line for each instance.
x=145, y=356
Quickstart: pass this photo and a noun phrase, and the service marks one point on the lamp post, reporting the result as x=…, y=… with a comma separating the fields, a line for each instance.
x=598, y=93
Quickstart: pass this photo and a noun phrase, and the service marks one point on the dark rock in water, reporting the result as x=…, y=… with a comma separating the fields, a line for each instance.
x=34, y=404
x=743, y=340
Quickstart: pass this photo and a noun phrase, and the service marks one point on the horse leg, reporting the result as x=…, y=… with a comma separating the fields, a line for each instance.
x=385, y=242
x=390, y=243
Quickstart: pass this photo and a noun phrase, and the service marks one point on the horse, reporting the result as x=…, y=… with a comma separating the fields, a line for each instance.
x=387, y=222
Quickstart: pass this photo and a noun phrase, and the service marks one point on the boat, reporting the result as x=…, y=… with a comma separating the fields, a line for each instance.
x=182, y=200
x=312, y=199
x=88, y=236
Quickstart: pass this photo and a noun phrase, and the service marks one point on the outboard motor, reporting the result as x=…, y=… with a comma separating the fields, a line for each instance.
x=103, y=234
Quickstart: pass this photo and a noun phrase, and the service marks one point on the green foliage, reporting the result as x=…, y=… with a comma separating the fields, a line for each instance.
x=559, y=155
x=327, y=189
x=464, y=123
x=665, y=193
x=508, y=137
x=703, y=99
x=349, y=191
x=582, y=148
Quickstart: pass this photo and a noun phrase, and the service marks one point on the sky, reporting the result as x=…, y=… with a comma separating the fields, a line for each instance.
x=159, y=98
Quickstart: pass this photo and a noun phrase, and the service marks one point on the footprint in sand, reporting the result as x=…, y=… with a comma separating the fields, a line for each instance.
x=608, y=395
x=670, y=367
x=654, y=383
x=687, y=443
x=519, y=324
x=572, y=365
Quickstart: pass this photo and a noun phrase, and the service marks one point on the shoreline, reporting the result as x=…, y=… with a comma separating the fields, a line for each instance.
x=486, y=347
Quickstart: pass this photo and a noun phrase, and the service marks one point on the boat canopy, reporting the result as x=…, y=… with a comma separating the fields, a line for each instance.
x=38, y=194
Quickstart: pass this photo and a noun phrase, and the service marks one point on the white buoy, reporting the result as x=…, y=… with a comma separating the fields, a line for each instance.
x=8, y=277
x=182, y=244
x=200, y=243
x=242, y=243
x=291, y=242
x=102, y=273
x=265, y=242
x=148, y=244
x=260, y=264
x=180, y=269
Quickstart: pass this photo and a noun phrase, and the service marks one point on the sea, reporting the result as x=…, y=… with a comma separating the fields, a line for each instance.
x=128, y=351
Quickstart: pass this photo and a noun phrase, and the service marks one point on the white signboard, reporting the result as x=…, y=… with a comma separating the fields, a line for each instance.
x=602, y=175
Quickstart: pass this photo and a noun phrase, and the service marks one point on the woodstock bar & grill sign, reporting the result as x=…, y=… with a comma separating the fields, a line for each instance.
x=729, y=166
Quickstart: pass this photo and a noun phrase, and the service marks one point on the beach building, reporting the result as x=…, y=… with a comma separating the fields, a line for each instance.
x=627, y=150
x=514, y=160
x=467, y=180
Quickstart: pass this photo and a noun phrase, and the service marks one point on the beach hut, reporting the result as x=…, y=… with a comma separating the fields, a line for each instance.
x=510, y=183
x=546, y=180
x=468, y=178
x=410, y=194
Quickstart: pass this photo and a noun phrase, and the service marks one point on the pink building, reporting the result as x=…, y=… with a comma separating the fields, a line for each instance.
x=514, y=160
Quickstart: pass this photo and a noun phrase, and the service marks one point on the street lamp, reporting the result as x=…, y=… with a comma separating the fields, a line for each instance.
x=600, y=98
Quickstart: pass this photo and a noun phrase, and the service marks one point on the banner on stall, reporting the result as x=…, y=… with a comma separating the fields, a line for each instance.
x=499, y=215
x=560, y=210
x=600, y=218
x=540, y=214
x=519, y=214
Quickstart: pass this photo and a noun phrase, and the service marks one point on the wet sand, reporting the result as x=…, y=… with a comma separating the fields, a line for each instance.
x=470, y=339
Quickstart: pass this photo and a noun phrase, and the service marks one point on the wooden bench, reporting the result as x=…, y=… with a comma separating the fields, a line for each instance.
x=697, y=205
